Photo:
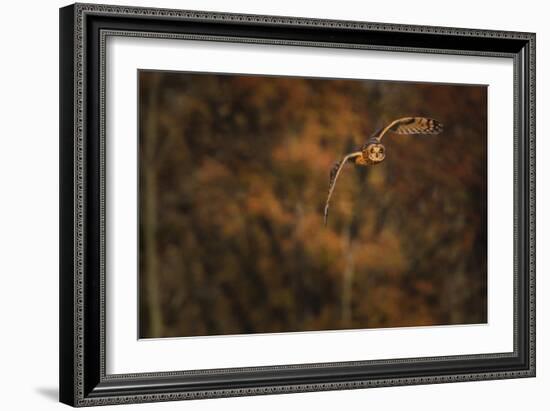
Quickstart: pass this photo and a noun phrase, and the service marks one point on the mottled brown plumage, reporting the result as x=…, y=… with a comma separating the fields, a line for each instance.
x=373, y=152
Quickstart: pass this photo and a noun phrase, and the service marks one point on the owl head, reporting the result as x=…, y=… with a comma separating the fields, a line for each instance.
x=374, y=153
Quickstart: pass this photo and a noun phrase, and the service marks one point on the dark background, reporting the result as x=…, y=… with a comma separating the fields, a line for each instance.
x=233, y=180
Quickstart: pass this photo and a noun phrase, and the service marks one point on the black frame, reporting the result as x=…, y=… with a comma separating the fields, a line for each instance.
x=83, y=30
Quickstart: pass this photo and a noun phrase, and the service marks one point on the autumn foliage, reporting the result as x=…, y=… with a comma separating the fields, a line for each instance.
x=233, y=179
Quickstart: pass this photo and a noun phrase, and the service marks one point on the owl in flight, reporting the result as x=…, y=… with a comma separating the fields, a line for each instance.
x=373, y=152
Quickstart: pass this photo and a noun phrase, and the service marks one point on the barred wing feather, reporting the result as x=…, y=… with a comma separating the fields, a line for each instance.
x=413, y=125
x=334, y=173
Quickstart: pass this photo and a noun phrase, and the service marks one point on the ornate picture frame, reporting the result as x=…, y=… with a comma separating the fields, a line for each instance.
x=84, y=30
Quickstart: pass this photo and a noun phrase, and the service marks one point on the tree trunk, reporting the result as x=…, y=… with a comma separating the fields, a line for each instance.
x=347, y=281
x=150, y=206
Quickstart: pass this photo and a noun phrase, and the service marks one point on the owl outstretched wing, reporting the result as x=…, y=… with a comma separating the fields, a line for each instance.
x=411, y=125
x=334, y=173
x=405, y=125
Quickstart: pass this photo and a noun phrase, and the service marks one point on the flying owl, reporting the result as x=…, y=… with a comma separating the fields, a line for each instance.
x=373, y=152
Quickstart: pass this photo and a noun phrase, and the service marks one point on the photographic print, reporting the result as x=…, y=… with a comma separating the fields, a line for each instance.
x=258, y=205
x=272, y=204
